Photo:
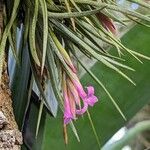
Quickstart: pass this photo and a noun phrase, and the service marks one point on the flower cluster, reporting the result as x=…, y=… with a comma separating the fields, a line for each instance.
x=73, y=93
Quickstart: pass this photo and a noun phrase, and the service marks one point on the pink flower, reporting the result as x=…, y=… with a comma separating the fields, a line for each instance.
x=68, y=116
x=82, y=110
x=90, y=99
x=73, y=94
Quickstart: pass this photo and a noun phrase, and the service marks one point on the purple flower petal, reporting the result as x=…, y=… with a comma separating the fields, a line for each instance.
x=72, y=96
x=82, y=110
x=91, y=100
x=74, y=92
x=80, y=89
x=68, y=116
x=90, y=90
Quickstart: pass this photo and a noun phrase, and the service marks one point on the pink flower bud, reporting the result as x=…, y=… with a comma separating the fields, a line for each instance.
x=107, y=23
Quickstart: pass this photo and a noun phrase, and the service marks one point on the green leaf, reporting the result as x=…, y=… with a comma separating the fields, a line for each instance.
x=75, y=14
x=142, y=3
x=32, y=29
x=38, y=83
x=26, y=26
x=13, y=47
x=6, y=33
x=39, y=118
x=19, y=82
x=45, y=32
x=84, y=45
x=94, y=130
x=53, y=73
x=30, y=127
x=116, y=8
x=51, y=68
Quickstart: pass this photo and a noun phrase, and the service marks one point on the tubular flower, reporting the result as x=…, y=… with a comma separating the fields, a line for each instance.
x=107, y=23
x=68, y=115
x=74, y=95
x=68, y=110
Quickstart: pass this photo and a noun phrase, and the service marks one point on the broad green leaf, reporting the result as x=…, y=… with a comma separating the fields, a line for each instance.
x=30, y=126
x=19, y=82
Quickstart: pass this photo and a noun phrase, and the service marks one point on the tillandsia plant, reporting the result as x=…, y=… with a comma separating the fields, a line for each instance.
x=54, y=32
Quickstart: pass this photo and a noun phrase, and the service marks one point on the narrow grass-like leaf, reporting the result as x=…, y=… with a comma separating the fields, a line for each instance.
x=69, y=10
x=119, y=43
x=36, y=77
x=54, y=82
x=75, y=14
x=26, y=26
x=104, y=88
x=95, y=43
x=142, y=3
x=51, y=65
x=140, y=55
x=45, y=32
x=93, y=31
x=57, y=52
x=117, y=63
x=62, y=50
x=39, y=118
x=75, y=5
x=74, y=131
x=138, y=21
x=115, y=8
x=80, y=42
x=32, y=29
x=6, y=33
x=13, y=47
x=94, y=130
x=96, y=32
